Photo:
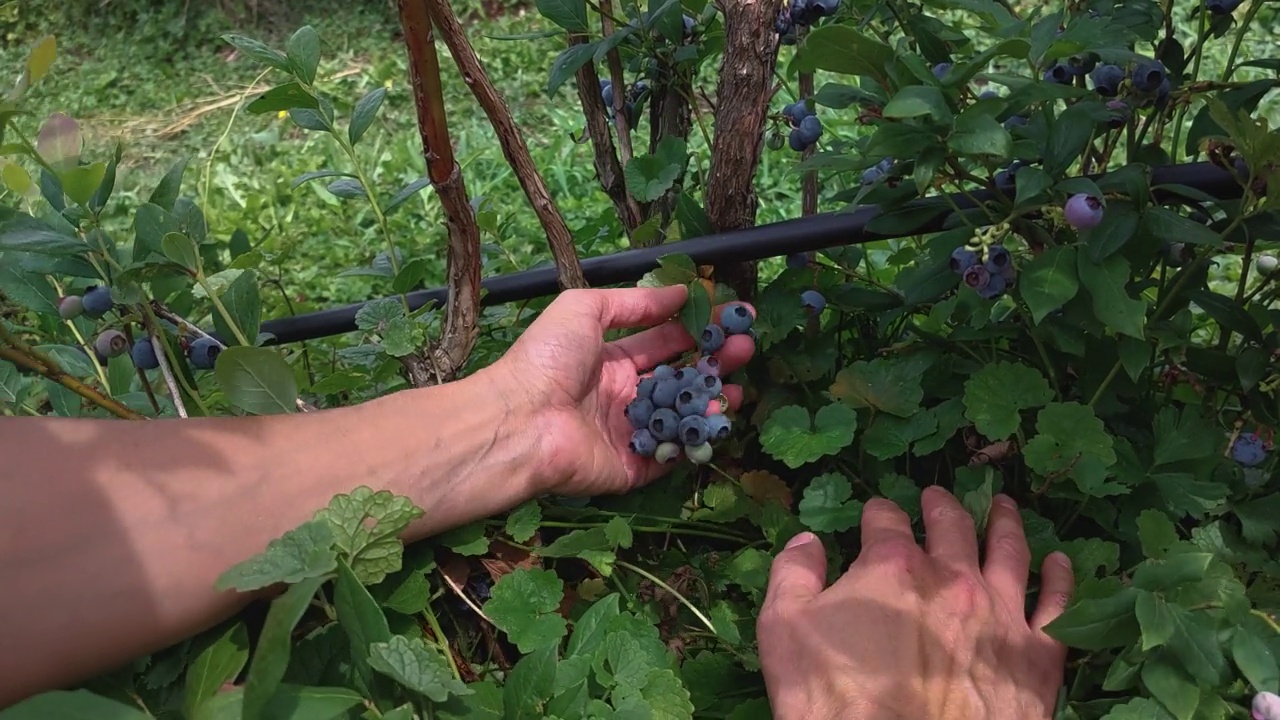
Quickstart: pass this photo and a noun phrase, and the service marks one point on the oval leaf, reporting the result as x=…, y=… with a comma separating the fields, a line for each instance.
x=257, y=380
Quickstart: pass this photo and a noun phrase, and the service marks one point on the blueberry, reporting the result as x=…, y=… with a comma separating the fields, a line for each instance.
x=1082, y=64
x=796, y=261
x=699, y=454
x=664, y=424
x=1266, y=264
x=689, y=25
x=1222, y=7
x=718, y=426
x=941, y=69
x=962, y=258
x=796, y=112
x=996, y=285
x=1083, y=211
x=644, y=388
x=810, y=129
x=977, y=277
x=712, y=339
x=664, y=372
x=709, y=365
x=1162, y=92
x=204, y=352
x=694, y=430
x=97, y=301
x=1249, y=450
x=828, y=7
x=796, y=141
x=1060, y=74
x=1015, y=121
x=687, y=376
x=813, y=301
x=606, y=94
x=782, y=23
x=1148, y=76
x=639, y=411
x=775, y=141
x=710, y=385
x=1107, y=79
x=144, y=355
x=637, y=91
x=1120, y=113
x=111, y=343
x=71, y=307
x=885, y=164
x=871, y=175
x=667, y=452
x=643, y=443
x=998, y=259
x=1176, y=254
x=1008, y=176
x=692, y=401
x=664, y=393
x=988, y=95
x=736, y=318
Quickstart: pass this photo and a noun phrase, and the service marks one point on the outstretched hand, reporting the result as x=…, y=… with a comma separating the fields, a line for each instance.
x=577, y=386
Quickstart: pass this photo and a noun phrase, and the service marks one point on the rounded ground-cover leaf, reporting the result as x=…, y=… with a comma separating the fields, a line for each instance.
x=793, y=438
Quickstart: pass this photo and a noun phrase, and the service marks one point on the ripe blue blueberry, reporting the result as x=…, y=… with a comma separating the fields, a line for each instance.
x=1083, y=211
x=1120, y=114
x=664, y=424
x=941, y=69
x=996, y=284
x=977, y=277
x=606, y=94
x=795, y=140
x=1060, y=73
x=667, y=452
x=1015, y=121
x=810, y=129
x=871, y=175
x=1148, y=76
x=828, y=7
x=692, y=401
x=813, y=302
x=712, y=339
x=1222, y=7
x=664, y=393
x=797, y=261
x=699, y=454
x=689, y=25
x=796, y=112
x=1009, y=175
x=988, y=95
x=639, y=411
x=144, y=354
x=718, y=427
x=736, y=319
x=204, y=353
x=664, y=372
x=694, y=430
x=998, y=259
x=687, y=376
x=1162, y=92
x=111, y=343
x=644, y=388
x=1107, y=79
x=70, y=307
x=709, y=365
x=97, y=301
x=962, y=258
x=643, y=443
x=1249, y=450
x=710, y=385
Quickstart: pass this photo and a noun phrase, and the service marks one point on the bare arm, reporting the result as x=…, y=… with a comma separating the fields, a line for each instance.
x=112, y=533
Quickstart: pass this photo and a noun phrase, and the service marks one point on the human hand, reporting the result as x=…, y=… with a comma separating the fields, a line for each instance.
x=915, y=633
x=573, y=387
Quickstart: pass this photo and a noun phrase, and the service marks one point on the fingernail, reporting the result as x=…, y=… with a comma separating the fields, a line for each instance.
x=801, y=539
x=1061, y=558
x=1006, y=501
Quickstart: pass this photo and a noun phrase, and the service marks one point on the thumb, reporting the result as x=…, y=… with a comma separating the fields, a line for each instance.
x=798, y=573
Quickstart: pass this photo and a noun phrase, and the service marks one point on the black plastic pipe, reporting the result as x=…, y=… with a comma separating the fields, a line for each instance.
x=764, y=241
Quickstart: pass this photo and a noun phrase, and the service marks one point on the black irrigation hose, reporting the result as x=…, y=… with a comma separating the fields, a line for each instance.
x=765, y=241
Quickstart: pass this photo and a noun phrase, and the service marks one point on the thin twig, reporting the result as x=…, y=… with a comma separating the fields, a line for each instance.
x=56, y=374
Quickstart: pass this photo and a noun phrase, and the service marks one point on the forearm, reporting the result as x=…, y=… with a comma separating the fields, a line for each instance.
x=113, y=533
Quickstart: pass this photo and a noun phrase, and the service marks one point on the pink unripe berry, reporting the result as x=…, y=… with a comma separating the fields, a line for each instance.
x=71, y=307
x=111, y=343
x=1083, y=211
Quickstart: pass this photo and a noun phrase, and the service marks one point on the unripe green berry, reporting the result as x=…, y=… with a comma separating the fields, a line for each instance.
x=71, y=307
x=699, y=454
x=111, y=343
x=667, y=452
x=1266, y=264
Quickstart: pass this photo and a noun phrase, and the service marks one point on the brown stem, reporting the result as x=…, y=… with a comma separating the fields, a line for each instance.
x=608, y=167
x=671, y=116
x=750, y=54
x=448, y=357
x=809, y=183
x=56, y=374
x=568, y=268
x=614, y=61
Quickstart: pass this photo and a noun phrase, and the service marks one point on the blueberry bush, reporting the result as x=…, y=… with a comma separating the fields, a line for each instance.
x=1055, y=320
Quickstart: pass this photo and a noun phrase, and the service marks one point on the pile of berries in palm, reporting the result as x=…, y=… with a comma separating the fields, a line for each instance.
x=97, y=301
x=669, y=413
x=988, y=270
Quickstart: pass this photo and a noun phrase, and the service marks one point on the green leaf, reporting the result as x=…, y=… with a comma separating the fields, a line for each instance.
x=1167, y=225
x=567, y=63
x=791, y=437
x=977, y=133
x=1071, y=440
x=649, y=177
x=1049, y=281
x=1112, y=304
x=43, y=53
x=1260, y=520
x=365, y=112
x=1171, y=572
x=346, y=188
x=1226, y=312
x=71, y=705
x=1168, y=684
x=568, y=14
x=289, y=702
x=916, y=100
x=300, y=554
x=889, y=385
x=1182, y=436
x=1118, y=227
x=1029, y=183
x=283, y=97
x=244, y=304
x=523, y=605
x=366, y=528
x=826, y=505
x=26, y=234
x=361, y=619
x=259, y=52
x=890, y=436
x=695, y=314
x=468, y=540
x=181, y=250
x=417, y=666
x=486, y=703
x=530, y=684
x=30, y=290
x=996, y=394
x=1154, y=619
x=1255, y=660
x=376, y=314
x=401, y=337
x=1195, y=643
x=524, y=521
x=303, y=50
x=257, y=380
x=590, y=630
x=405, y=193
x=215, y=666
x=1138, y=709
x=81, y=182
x=275, y=644
x=1156, y=532
x=1068, y=135
x=842, y=49
x=673, y=269
x=1098, y=623
x=167, y=191
x=661, y=694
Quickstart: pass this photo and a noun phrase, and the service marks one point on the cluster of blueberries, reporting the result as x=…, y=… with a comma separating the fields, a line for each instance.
x=97, y=302
x=669, y=413
x=631, y=105
x=989, y=277
x=1249, y=450
x=806, y=128
x=802, y=13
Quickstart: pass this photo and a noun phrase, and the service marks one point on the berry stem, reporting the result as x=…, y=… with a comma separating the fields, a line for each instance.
x=683, y=600
x=1239, y=39
x=442, y=640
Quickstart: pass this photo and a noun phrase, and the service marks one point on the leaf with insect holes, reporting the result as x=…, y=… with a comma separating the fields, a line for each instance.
x=366, y=528
x=305, y=552
x=995, y=395
x=827, y=505
x=523, y=604
x=791, y=436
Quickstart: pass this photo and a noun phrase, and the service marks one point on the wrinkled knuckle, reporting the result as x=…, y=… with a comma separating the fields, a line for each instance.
x=966, y=595
x=896, y=552
x=1013, y=547
x=949, y=515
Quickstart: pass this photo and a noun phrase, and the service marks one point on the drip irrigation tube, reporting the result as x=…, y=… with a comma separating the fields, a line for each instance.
x=764, y=241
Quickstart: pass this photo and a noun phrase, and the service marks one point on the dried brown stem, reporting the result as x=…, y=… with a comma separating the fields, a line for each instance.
x=514, y=147
x=809, y=182
x=448, y=357
x=608, y=167
x=21, y=358
x=614, y=61
x=671, y=116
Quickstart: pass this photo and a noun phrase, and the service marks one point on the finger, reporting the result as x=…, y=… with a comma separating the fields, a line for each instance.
x=621, y=307
x=737, y=350
x=886, y=526
x=798, y=573
x=1008, y=561
x=949, y=533
x=649, y=348
x=1057, y=583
